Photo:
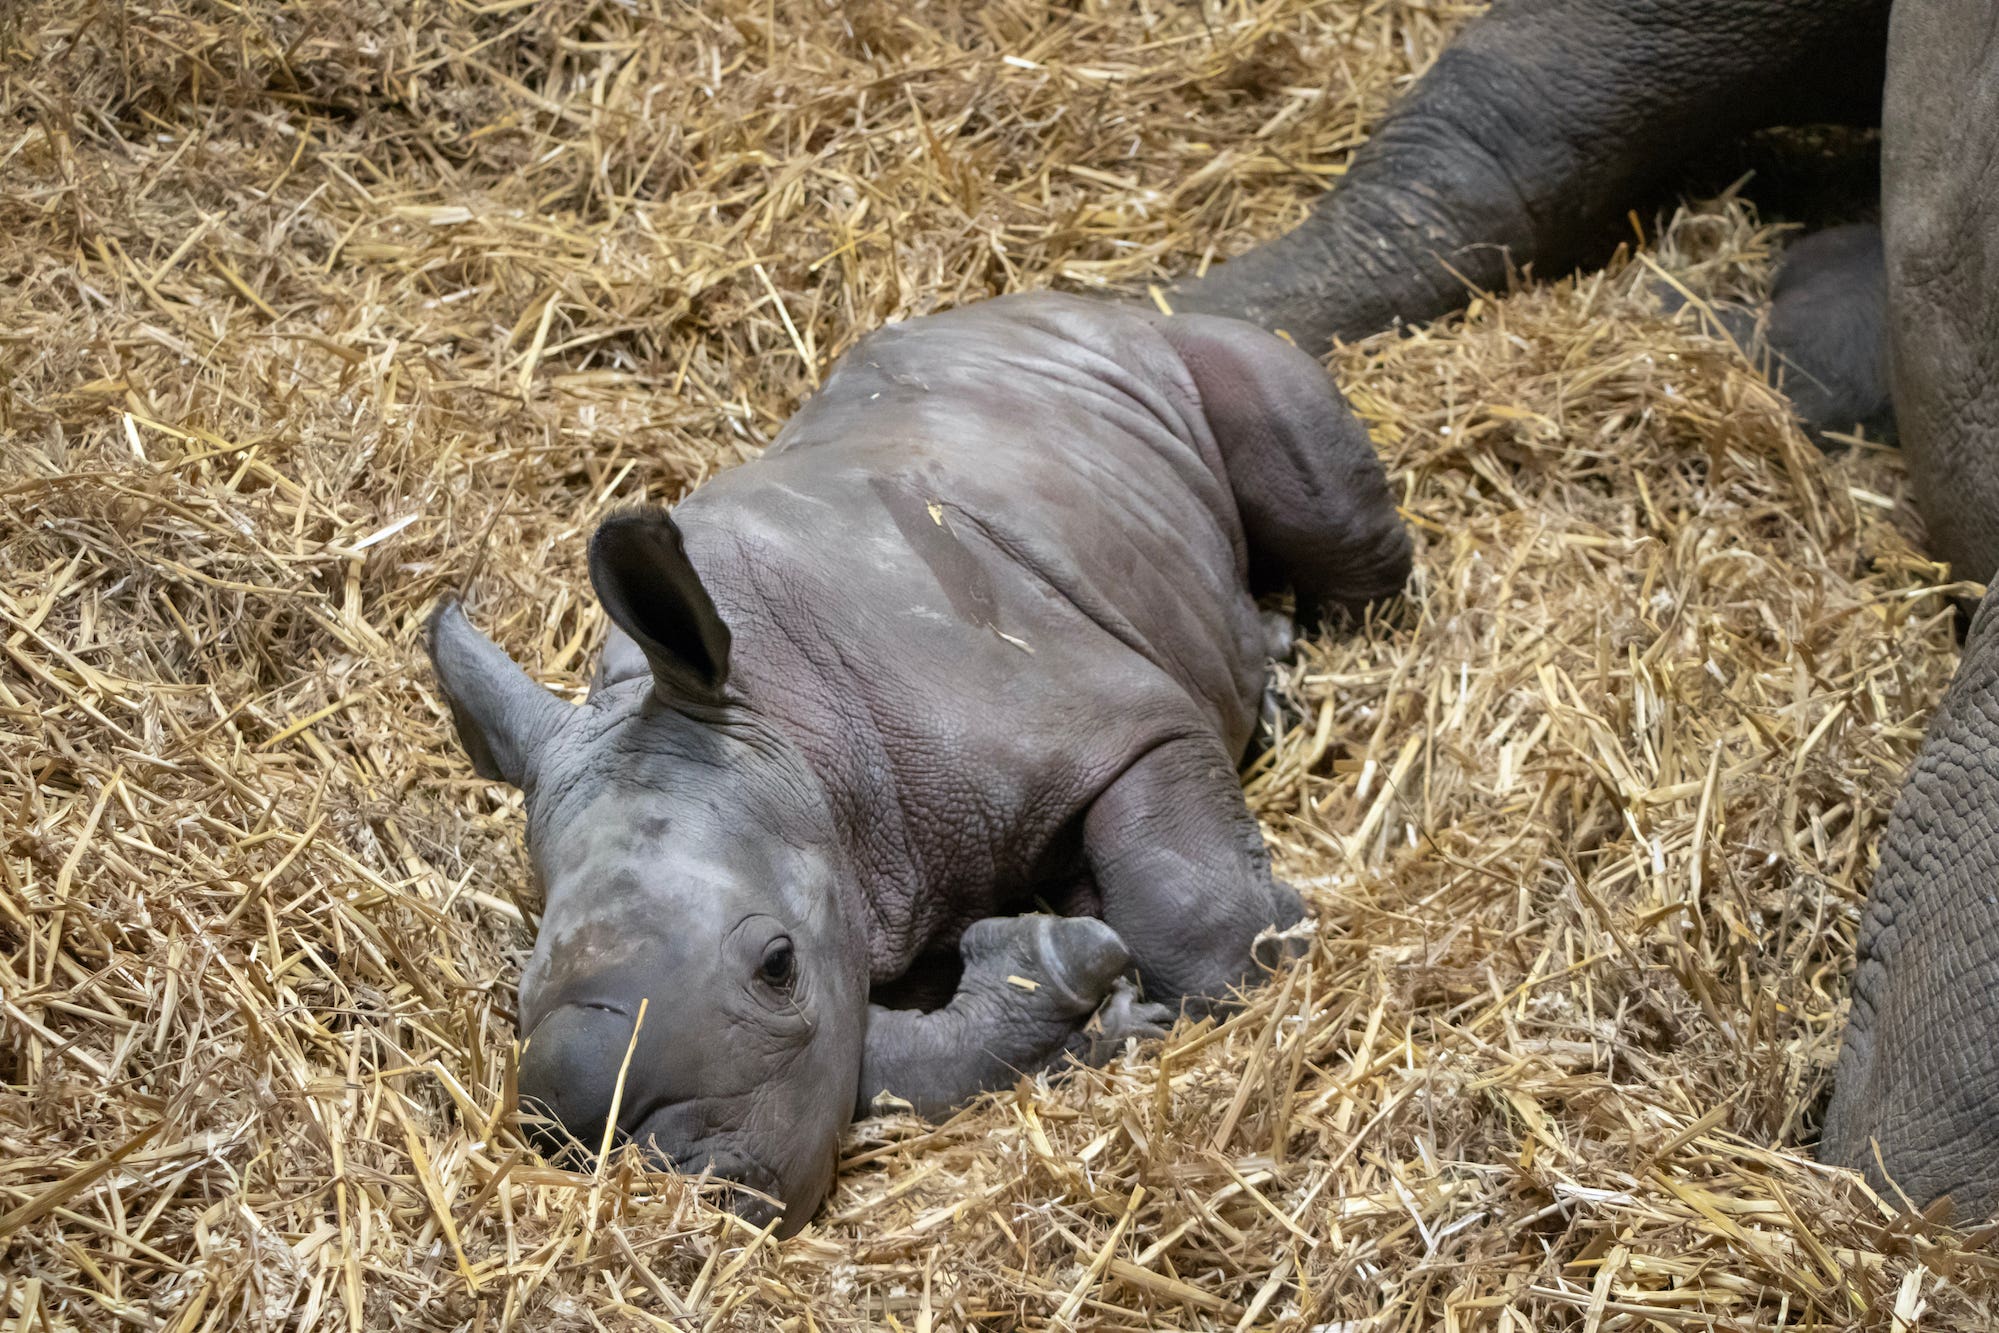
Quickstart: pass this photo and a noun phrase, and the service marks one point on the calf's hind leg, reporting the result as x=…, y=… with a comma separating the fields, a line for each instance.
x=1315, y=504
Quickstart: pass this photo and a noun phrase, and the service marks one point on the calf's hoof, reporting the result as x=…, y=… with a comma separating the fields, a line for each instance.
x=1282, y=943
x=1280, y=634
x=1120, y=1017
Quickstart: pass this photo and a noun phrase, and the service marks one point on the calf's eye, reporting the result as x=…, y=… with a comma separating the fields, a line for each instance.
x=778, y=965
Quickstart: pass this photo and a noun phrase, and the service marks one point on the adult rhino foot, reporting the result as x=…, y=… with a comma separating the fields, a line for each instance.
x=1824, y=339
x=1828, y=332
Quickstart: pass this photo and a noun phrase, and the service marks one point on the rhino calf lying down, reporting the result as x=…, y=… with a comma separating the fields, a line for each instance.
x=976, y=633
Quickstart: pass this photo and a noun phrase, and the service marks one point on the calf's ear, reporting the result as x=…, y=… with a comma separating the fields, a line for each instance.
x=503, y=717
x=639, y=566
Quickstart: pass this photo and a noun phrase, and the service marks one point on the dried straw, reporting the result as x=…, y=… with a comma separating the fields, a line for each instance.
x=313, y=311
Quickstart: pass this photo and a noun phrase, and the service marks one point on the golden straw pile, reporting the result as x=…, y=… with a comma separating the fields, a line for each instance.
x=312, y=312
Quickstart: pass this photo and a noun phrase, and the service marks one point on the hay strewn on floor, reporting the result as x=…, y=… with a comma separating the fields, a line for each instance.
x=312, y=312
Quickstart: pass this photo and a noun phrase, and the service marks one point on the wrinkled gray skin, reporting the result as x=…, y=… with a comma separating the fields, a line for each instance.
x=976, y=633
x=1918, y=1071
x=1526, y=143
x=1919, y=1068
x=1824, y=336
x=1533, y=137
x=1940, y=218
x=1546, y=121
x=1537, y=130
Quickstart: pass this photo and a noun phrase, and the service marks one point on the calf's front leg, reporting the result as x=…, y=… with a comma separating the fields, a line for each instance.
x=1184, y=876
x=1035, y=988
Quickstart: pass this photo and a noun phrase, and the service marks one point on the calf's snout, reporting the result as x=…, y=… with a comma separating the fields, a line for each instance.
x=569, y=1074
x=570, y=1089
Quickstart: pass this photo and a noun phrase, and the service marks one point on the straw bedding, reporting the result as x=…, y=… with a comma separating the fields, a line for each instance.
x=313, y=312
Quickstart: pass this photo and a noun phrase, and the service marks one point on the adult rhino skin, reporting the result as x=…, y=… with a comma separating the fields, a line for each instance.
x=977, y=632
x=1526, y=142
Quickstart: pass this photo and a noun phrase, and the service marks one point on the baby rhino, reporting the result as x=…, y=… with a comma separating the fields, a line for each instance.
x=975, y=637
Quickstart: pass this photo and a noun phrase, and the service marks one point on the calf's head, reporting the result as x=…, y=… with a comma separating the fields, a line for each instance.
x=688, y=860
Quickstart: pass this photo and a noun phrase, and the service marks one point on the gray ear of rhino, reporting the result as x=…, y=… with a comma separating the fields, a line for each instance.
x=639, y=566
x=503, y=716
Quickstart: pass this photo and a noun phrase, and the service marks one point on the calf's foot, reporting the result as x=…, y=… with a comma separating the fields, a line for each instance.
x=1035, y=990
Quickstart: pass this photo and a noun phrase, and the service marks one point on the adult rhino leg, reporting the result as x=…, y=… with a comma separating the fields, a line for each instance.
x=1823, y=338
x=1940, y=222
x=1827, y=332
x=1315, y=504
x=1183, y=872
x=1035, y=988
x=1539, y=126
x=1919, y=1063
